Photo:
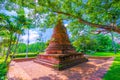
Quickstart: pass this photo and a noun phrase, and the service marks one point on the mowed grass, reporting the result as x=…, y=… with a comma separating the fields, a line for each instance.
x=114, y=71
x=107, y=54
x=23, y=55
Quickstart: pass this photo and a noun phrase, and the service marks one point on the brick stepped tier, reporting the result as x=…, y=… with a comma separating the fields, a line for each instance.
x=60, y=61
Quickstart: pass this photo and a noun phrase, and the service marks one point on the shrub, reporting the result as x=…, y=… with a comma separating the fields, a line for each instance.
x=23, y=55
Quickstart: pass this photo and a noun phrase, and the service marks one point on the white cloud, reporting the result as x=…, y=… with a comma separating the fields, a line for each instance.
x=10, y=13
x=33, y=36
x=65, y=25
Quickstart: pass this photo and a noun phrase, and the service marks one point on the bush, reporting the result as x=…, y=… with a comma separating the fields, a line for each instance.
x=90, y=52
x=3, y=71
x=3, y=68
x=23, y=55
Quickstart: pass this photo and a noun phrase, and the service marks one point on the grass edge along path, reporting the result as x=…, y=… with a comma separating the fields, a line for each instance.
x=114, y=71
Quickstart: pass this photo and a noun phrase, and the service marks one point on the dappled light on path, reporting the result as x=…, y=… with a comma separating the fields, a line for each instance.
x=94, y=69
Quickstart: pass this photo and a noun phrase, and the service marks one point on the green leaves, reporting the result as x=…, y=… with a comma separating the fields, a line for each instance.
x=1, y=1
x=3, y=70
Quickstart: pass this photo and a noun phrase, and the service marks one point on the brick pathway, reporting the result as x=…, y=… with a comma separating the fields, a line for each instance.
x=94, y=69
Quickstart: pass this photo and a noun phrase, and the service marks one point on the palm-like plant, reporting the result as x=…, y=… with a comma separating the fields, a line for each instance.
x=14, y=25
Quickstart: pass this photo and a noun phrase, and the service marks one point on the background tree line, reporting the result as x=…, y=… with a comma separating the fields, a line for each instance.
x=32, y=48
x=96, y=43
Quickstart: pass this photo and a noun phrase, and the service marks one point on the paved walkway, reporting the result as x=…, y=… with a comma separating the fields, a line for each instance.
x=94, y=69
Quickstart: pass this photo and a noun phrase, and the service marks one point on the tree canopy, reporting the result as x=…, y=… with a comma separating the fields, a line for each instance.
x=80, y=15
x=94, y=13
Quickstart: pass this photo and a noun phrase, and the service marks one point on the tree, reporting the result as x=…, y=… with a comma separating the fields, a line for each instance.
x=83, y=39
x=98, y=13
x=3, y=41
x=14, y=25
x=12, y=29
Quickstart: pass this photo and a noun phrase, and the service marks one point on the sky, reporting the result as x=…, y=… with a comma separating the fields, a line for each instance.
x=34, y=35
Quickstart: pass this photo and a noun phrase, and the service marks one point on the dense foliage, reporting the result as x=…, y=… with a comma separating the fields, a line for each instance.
x=89, y=40
x=95, y=13
x=32, y=48
x=3, y=68
x=23, y=55
x=94, y=43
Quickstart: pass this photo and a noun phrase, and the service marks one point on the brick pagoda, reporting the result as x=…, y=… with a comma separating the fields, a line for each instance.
x=60, y=54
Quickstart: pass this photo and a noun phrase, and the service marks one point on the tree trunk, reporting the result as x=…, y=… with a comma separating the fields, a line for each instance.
x=16, y=46
x=113, y=43
x=9, y=47
x=27, y=44
x=4, y=50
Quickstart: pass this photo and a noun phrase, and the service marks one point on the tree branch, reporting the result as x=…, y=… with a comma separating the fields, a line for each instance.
x=106, y=27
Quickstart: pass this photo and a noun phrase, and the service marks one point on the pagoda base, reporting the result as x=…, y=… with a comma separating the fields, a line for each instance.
x=61, y=61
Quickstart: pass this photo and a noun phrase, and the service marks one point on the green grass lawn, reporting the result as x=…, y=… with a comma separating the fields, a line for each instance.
x=107, y=54
x=114, y=71
x=23, y=55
